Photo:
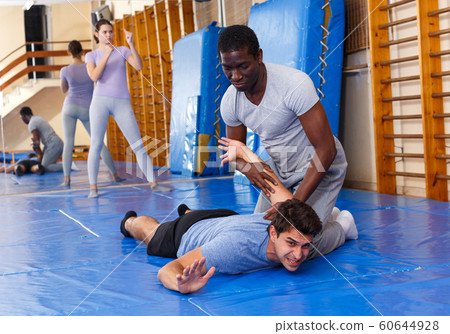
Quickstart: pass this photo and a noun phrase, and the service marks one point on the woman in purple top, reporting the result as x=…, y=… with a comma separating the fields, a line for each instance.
x=107, y=67
x=75, y=80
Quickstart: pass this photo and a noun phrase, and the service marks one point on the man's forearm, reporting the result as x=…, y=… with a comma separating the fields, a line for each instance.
x=167, y=275
x=319, y=165
x=280, y=193
x=38, y=153
x=241, y=164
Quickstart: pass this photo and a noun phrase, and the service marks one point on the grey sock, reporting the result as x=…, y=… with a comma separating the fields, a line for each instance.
x=93, y=193
x=161, y=189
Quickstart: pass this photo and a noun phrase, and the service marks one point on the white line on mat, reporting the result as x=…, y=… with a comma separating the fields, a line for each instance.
x=76, y=221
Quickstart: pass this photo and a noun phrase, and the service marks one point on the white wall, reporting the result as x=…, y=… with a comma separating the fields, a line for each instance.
x=356, y=124
x=121, y=8
x=12, y=36
x=69, y=22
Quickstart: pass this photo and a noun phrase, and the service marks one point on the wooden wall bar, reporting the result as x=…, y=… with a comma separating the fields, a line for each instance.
x=434, y=158
x=386, y=183
x=435, y=188
x=186, y=10
x=145, y=115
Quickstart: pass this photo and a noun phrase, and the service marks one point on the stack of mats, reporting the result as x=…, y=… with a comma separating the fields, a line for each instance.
x=198, y=85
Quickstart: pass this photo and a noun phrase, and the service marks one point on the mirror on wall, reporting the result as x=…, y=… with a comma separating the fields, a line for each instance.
x=45, y=24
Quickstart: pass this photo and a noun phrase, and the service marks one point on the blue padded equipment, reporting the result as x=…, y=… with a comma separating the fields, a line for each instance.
x=10, y=157
x=198, y=85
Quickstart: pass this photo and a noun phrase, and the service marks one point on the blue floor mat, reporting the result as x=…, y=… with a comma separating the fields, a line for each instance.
x=62, y=253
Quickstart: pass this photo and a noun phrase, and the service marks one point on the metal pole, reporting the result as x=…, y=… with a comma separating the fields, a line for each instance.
x=221, y=9
x=3, y=144
x=33, y=63
x=194, y=7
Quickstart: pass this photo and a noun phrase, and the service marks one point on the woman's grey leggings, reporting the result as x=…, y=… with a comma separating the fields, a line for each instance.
x=70, y=114
x=120, y=109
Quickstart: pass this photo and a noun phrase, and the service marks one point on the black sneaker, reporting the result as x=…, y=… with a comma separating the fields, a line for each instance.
x=122, y=223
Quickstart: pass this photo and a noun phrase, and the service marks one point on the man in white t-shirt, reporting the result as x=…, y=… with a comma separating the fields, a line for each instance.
x=280, y=104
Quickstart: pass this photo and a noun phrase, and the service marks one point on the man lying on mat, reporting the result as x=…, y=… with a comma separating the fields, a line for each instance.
x=205, y=241
x=25, y=166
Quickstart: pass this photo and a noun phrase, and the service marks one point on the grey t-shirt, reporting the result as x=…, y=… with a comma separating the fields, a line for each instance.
x=289, y=93
x=46, y=132
x=233, y=244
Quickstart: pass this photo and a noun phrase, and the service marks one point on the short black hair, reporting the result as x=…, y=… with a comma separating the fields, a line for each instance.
x=238, y=37
x=26, y=111
x=298, y=215
x=19, y=170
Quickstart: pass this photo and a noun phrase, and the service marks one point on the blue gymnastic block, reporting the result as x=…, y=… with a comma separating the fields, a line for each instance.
x=197, y=73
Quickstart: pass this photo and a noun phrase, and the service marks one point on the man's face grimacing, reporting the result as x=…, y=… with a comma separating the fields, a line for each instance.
x=241, y=68
x=291, y=247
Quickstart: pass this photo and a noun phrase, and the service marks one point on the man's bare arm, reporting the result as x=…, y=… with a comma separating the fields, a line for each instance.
x=36, y=144
x=318, y=131
x=186, y=274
